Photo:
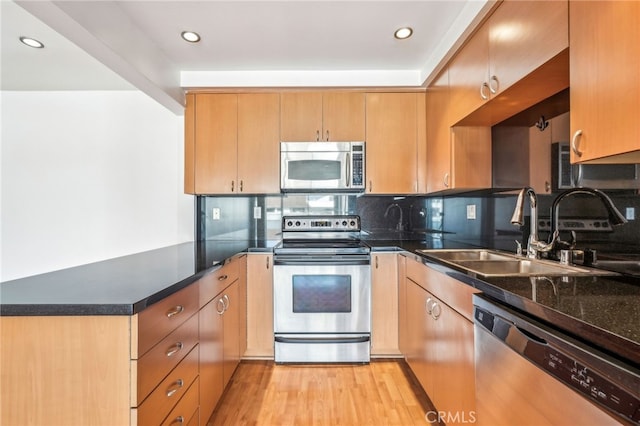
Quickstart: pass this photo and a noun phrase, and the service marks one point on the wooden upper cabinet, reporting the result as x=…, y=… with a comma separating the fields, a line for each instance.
x=232, y=143
x=438, y=134
x=216, y=136
x=523, y=35
x=259, y=143
x=518, y=38
x=605, y=83
x=458, y=158
x=392, y=135
x=321, y=116
x=343, y=116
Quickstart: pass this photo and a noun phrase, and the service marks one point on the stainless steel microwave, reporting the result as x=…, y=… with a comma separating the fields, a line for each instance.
x=565, y=175
x=322, y=166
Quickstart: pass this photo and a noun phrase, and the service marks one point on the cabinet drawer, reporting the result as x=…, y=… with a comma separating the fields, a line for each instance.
x=213, y=283
x=158, y=405
x=160, y=319
x=163, y=357
x=454, y=293
x=186, y=409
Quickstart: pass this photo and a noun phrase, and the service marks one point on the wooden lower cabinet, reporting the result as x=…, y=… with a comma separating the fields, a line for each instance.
x=219, y=346
x=384, y=305
x=260, y=338
x=440, y=348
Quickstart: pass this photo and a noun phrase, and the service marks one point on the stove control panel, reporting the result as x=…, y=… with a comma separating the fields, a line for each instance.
x=321, y=223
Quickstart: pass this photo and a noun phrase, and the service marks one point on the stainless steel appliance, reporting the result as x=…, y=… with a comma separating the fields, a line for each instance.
x=528, y=373
x=322, y=291
x=322, y=166
x=565, y=175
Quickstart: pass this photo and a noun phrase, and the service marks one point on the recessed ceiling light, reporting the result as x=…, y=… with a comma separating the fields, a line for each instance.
x=31, y=42
x=402, y=33
x=190, y=36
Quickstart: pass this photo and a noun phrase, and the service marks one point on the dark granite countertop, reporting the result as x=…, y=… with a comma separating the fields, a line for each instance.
x=600, y=310
x=120, y=286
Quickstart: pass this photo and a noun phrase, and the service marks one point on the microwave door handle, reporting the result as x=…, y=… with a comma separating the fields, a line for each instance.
x=348, y=170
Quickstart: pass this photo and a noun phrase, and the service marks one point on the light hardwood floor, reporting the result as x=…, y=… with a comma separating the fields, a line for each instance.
x=383, y=392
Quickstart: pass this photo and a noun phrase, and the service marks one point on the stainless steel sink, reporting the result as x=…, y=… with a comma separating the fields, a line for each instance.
x=489, y=263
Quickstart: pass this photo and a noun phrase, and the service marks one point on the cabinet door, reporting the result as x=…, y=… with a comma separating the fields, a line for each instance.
x=301, y=116
x=343, y=116
x=384, y=304
x=260, y=338
x=470, y=158
x=417, y=334
x=523, y=35
x=259, y=143
x=403, y=324
x=211, y=357
x=216, y=131
x=469, y=75
x=452, y=358
x=242, y=305
x=391, y=143
x=231, y=333
x=604, y=70
x=438, y=134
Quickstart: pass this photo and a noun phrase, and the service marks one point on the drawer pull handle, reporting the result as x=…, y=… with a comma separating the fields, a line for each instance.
x=178, y=420
x=175, y=311
x=220, y=306
x=174, y=349
x=175, y=387
x=223, y=277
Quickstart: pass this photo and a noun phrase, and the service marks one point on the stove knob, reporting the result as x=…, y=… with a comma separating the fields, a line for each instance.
x=352, y=223
x=297, y=223
x=344, y=223
x=289, y=223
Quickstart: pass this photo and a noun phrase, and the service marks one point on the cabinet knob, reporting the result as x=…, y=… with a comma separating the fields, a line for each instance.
x=436, y=311
x=174, y=387
x=267, y=263
x=174, y=349
x=493, y=88
x=446, y=180
x=220, y=306
x=177, y=421
x=174, y=311
x=327, y=135
x=232, y=185
x=483, y=95
x=575, y=143
x=317, y=135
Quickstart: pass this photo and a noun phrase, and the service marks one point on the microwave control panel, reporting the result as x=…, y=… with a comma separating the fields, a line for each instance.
x=357, y=165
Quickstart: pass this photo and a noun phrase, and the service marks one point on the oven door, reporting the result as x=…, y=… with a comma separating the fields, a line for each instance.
x=322, y=297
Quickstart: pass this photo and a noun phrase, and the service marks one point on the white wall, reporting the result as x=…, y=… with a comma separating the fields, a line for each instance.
x=87, y=176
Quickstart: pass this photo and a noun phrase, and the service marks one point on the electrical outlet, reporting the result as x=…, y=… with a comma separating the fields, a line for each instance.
x=216, y=213
x=471, y=211
x=257, y=212
x=630, y=213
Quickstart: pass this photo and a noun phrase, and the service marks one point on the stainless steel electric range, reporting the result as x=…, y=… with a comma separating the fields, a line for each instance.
x=322, y=291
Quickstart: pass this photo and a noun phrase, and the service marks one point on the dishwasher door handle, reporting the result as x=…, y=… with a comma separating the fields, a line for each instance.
x=513, y=336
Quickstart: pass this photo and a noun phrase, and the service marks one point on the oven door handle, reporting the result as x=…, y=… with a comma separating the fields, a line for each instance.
x=359, y=339
x=320, y=261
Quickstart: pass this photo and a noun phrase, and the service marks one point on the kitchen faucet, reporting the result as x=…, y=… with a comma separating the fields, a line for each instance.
x=386, y=213
x=534, y=246
x=615, y=217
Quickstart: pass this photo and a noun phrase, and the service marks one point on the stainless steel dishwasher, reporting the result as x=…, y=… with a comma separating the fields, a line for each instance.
x=528, y=373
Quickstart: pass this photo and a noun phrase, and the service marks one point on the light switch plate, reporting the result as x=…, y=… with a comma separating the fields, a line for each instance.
x=257, y=212
x=471, y=211
x=630, y=213
x=216, y=213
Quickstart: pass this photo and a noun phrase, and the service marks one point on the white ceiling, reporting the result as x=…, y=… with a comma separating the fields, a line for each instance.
x=303, y=43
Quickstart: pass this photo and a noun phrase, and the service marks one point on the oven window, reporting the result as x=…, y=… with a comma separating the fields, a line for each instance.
x=321, y=293
x=314, y=170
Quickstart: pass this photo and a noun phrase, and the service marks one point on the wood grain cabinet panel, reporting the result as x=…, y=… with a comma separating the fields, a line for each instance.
x=322, y=116
x=260, y=339
x=394, y=129
x=605, y=88
x=384, y=304
x=518, y=40
x=232, y=143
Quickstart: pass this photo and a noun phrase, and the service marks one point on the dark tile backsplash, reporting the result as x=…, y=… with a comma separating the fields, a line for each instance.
x=413, y=217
